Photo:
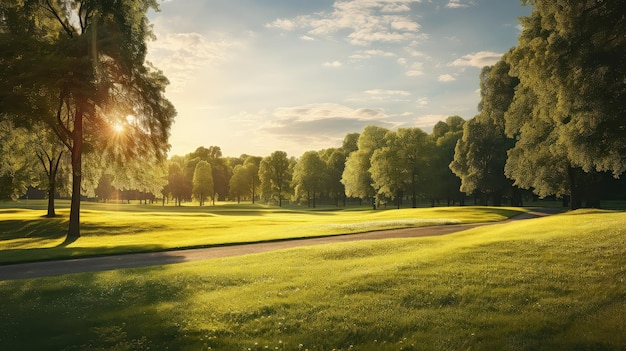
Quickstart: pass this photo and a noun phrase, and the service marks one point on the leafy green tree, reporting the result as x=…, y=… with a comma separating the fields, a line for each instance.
x=238, y=185
x=177, y=183
x=442, y=182
x=203, y=181
x=356, y=176
x=16, y=164
x=568, y=114
x=401, y=165
x=275, y=174
x=350, y=143
x=480, y=155
x=105, y=189
x=245, y=180
x=308, y=176
x=79, y=67
x=335, y=163
x=571, y=54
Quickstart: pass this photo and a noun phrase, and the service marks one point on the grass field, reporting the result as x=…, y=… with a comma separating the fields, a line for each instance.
x=115, y=228
x=554, y=283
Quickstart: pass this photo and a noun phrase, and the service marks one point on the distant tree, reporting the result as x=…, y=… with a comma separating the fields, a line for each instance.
x=105, y=189
x=335, y=160
x=238, y=184
x=356, y=176
x=308, y=176
x=350, y=143
x=401, y=165
x=202, y=182
x=245, y=180
x=177, y=183
x=442, y=182
x=275, y=175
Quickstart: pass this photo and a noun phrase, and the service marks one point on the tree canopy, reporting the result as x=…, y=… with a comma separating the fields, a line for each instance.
x=79, y=67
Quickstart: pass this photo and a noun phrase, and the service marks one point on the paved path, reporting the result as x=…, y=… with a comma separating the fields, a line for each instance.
x=95, y=264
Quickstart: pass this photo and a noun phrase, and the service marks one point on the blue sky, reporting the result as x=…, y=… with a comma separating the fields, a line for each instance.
x=255, y=76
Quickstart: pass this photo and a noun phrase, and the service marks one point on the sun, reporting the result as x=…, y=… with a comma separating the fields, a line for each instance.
x=118, y=128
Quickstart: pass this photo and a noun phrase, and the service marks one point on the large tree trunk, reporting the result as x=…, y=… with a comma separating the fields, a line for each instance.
x=73, y=232
x=576, y=200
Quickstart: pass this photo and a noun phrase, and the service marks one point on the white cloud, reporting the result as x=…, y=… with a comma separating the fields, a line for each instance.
x=446, y=78
x=455, y=4
x=333, y=64
x=387, y=92
x=307, y=38
x=365, y=21
x=318, y=126
x=479, y=59
x=416, y=69
x=180, y=54
x=368, y=54
x=284, y=24
x=422, y=102
x=316, y=112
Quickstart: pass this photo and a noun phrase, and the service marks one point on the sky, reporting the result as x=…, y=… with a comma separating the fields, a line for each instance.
x=256, y=76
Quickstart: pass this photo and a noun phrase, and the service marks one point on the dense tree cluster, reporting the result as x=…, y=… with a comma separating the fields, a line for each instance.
x=376, y=164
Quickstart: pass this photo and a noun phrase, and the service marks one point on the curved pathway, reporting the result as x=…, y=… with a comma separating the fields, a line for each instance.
x=96, y=264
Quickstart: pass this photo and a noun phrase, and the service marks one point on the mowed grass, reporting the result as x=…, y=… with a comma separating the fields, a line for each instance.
x=113, y=228
x=553, y=283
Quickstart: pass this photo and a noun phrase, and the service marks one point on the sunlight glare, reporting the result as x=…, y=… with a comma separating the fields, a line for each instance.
x=118, y=127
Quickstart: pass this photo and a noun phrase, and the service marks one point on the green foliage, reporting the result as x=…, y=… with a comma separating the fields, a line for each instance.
x=79, y=67
x=356, y=175
x=203, y=182
x=401, y=163
x=568, y=111
x=308, y=176
x=275, y=172
x=481, y=153
x=547, y=284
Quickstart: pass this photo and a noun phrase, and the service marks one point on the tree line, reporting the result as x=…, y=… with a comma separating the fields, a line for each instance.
x=377, y=164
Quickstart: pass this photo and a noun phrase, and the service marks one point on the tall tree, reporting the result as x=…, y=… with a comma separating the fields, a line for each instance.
x=401, y=165
x=177, y=183
x=89, y=56
x=308, y=176
x=444, y=183
x=569, y=60
x=202, y=181
x=275, y=174
x=335, y=160
x=482, y=152
x=356, y=176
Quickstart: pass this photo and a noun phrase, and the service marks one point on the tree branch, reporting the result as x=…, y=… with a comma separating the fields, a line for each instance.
x=67, y=28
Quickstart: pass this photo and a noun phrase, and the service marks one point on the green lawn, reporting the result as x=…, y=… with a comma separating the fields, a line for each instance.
x=554, y=283
x=115, y=228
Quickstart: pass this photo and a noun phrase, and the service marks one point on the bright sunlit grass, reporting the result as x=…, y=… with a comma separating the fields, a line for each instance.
x=556, y=283
x=116, y=228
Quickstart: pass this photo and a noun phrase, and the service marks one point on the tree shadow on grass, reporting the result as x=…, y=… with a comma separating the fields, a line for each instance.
x=119, y=310
x=44, y=228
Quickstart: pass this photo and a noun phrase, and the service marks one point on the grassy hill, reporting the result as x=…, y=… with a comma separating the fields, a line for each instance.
x=115, y=228
x=554, y=283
